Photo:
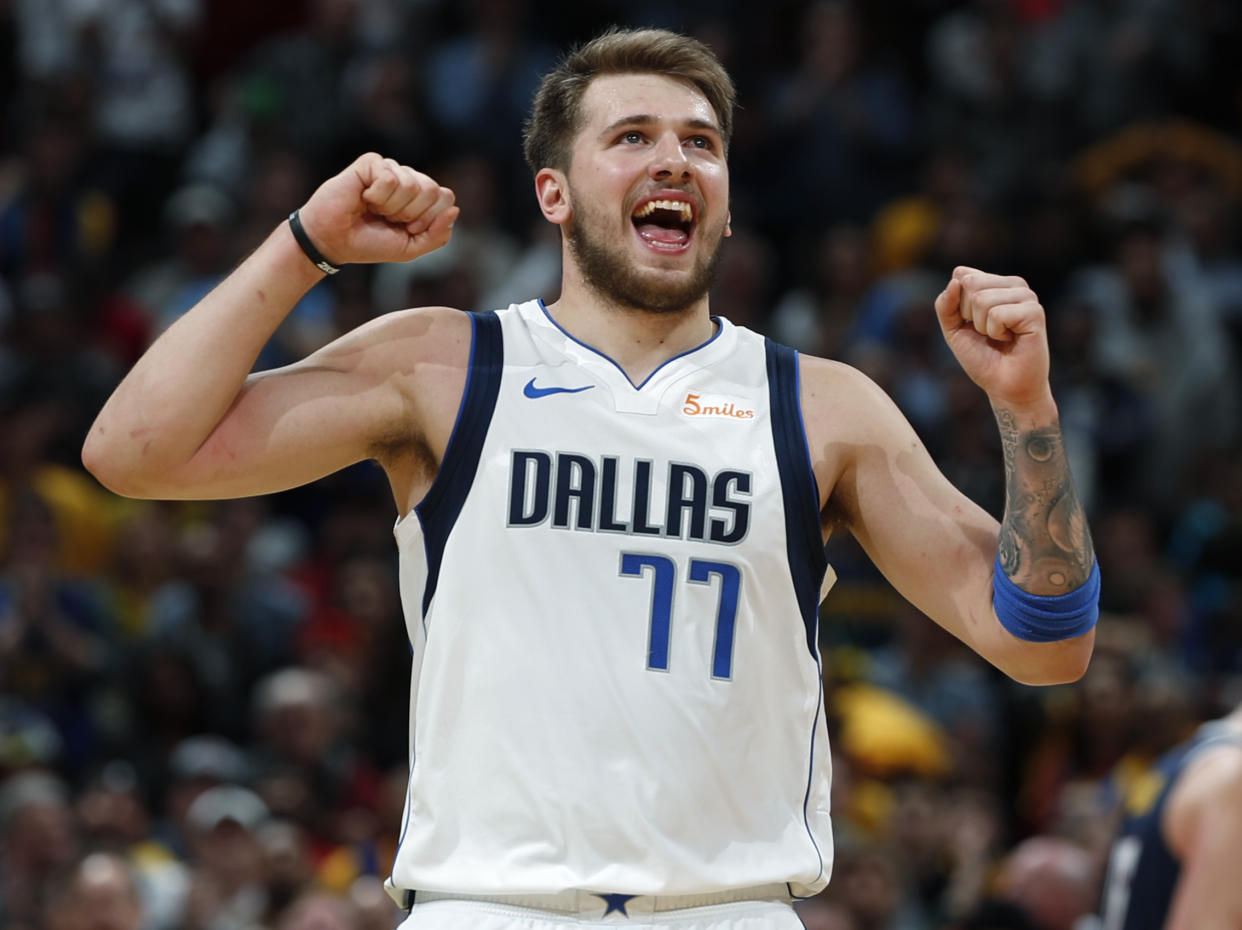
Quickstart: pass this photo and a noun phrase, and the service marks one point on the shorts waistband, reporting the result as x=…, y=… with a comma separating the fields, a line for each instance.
x=587, y=903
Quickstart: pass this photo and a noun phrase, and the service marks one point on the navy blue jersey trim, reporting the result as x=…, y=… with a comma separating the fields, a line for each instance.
x=810, y=775
x=439, y=509
x=804, y=541
x=660, y=367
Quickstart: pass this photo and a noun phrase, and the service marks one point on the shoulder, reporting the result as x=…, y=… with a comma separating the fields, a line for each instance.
x=841, y=403
x=399, y=349
x=851, y=426
x=402, y=339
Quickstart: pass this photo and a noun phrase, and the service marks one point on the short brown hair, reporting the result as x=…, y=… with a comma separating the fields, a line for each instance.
x=556, y=115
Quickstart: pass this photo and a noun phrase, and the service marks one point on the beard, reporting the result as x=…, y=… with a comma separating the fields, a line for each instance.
x=609, y=272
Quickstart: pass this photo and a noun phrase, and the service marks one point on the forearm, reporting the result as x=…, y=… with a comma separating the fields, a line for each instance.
x=184, y=384
x=1044, y=545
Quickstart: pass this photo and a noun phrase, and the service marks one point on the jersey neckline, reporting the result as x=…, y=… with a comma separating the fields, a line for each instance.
x=723, y=328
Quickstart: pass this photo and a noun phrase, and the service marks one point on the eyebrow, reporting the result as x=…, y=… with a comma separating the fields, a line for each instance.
x=638, y=119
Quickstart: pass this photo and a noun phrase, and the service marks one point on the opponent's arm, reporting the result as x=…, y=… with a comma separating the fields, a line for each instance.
x=1203, y=826
x=935, y=546
x=189, y=421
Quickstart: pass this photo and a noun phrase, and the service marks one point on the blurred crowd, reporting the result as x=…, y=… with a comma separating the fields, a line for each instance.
x=203, y=706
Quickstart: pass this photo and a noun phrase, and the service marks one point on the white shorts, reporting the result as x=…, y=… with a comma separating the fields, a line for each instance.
x=639, y=913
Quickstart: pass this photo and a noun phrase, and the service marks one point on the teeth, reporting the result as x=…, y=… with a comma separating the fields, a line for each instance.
x=680, y=206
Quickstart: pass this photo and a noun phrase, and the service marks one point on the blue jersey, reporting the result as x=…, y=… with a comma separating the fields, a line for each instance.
x=611, y=592
x=1142, y=870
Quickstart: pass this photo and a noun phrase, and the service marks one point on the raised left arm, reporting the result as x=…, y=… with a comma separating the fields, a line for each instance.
x=996, y=328
x=1014, y=592
x=1046, y=585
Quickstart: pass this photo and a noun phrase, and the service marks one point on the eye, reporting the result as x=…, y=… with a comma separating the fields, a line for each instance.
x=702, y=142
x=631, y=137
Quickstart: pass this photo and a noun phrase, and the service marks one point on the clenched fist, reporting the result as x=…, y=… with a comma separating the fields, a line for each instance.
x=996, y=328
x=377, y=210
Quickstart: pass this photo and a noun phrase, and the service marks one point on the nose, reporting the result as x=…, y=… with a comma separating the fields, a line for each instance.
x=669, y=159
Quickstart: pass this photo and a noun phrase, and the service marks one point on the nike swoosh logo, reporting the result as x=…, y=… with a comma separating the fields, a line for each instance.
x=531, y=391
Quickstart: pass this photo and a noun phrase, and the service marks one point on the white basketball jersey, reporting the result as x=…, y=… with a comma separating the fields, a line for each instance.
x=611, y=592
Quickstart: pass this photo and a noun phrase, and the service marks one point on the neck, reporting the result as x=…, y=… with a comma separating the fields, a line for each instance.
x=638, y=340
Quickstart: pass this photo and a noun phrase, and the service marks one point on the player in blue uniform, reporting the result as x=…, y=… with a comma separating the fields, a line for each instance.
x=1175, y=861
x=643, y=671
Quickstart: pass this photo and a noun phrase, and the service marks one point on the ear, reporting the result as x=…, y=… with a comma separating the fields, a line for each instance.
x=729, y=223
x=552, y=191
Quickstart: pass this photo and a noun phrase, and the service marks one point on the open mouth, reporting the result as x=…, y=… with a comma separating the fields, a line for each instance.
x=665, y=224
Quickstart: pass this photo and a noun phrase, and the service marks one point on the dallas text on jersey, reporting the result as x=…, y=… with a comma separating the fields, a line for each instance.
x=579, y=492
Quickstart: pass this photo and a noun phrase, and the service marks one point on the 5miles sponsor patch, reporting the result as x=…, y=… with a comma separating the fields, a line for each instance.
x=716, y=405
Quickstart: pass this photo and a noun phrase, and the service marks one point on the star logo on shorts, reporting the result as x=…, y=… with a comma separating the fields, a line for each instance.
x=616, y=903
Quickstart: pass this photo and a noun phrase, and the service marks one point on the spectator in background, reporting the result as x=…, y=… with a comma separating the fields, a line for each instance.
x=842, y=120
x=295, y=84
x=113, y=818
x=200, y=222
x=937, y=674
x=317, y=910
x=51, y=646
x=986, y=102
x=357, y=637
x=304, y=768
x=54, y=218
x=232, y=617
x=479, y=84
x=287, y=866
x=1202, y=548
x=815, y=317
x=227, y=889
x=1053, y=882
x=57, y=362
x=33, y=422
x=1200, y=253
x=101, y=893
x=196, y=764
x=134, y=54
x=1166, y=341
x=38, y=840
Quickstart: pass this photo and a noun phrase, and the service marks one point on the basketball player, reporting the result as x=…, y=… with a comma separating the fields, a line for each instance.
x=1174, y=863
x=612, y=512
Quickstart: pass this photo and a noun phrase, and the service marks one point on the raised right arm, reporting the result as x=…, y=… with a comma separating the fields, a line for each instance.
x=190, y=421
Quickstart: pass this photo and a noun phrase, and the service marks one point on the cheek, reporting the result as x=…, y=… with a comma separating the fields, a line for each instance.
x=598, y=188
x=715, y=179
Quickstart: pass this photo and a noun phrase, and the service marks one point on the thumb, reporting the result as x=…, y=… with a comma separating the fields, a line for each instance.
x=948, y=305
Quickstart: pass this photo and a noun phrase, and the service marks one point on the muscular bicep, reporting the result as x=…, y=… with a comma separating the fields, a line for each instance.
x=933, y=544
x=354, y=399
x=288, y=427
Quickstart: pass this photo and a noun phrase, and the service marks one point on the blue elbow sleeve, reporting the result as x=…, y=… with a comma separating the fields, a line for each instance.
x=1046, y=619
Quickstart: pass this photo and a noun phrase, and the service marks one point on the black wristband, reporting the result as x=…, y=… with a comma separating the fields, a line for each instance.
x=316, y=257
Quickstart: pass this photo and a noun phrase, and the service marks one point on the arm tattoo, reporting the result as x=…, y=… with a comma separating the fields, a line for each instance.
x=1045, y=546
